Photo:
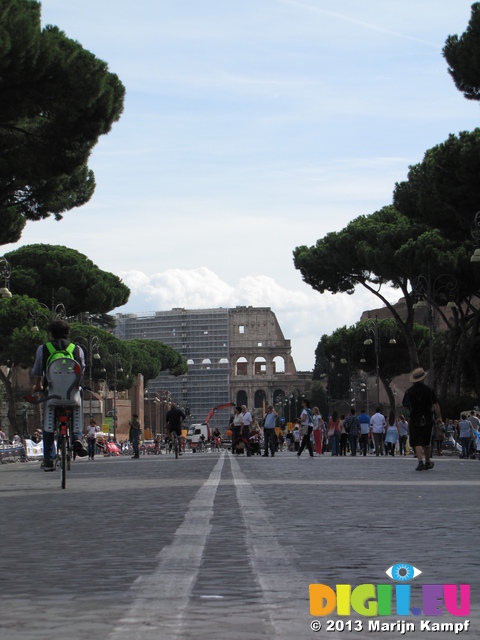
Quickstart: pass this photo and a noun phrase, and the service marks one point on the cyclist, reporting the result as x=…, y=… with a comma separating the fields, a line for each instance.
x=217, y=438
x=174, y=419
x=60, y=331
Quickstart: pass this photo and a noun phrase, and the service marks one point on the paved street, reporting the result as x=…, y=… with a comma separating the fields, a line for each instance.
x=209, y=546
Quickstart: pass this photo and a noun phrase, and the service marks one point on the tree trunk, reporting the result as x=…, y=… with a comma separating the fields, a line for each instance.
x=390, y=394
x=12, y=413
x=453, y=347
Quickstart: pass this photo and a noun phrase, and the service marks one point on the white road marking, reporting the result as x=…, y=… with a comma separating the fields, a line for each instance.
x=285, y=590
x=160, y=599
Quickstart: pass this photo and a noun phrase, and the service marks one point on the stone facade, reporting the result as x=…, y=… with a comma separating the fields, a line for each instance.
x=262, y=370
x=237, y=355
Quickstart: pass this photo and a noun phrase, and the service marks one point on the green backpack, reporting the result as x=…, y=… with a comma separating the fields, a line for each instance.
x=66, y=354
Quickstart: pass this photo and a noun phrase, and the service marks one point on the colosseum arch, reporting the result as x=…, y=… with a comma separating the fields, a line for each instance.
x=241, y=367
x=260, y=366
x=241, y=398
x=279, y=364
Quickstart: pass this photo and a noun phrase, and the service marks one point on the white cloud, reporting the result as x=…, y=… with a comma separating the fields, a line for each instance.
x=304, y=315
x=251, y=128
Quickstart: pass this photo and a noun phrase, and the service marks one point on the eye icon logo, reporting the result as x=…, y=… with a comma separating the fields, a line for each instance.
x=402, y=572
x=372, y=600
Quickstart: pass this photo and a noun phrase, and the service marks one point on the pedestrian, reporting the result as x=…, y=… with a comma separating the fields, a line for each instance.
x=134, y=434
x=450, y=429
x=247, y=421
x=439, y=436
x=269, y=436
x=296, y=435
x=353, y=428
x=343, y=437
x=364, y=420
x=465, y=428
x=391, y=437
x=91, y=439
x=402, y=435
x=306, y=428
x=318, y=426
x=335, y=427
x=237, y=426
x=377, y=429
x=474, y=421
x=419, y=399
x=290, y=440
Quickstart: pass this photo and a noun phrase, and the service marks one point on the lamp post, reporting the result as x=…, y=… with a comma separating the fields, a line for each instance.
x=371, y=328
x=57, y=311
x=475, y=233
x=116, y=360
x=364, y=388
x=151, y=396
x=430, y=294
x=5, y=273
x=91, y=345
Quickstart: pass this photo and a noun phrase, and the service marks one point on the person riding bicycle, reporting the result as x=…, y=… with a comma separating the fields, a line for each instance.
x=174, y=419
x=60, y=331
x=217, y=438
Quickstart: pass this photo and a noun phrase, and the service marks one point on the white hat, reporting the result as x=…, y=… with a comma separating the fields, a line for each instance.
x=418, y=374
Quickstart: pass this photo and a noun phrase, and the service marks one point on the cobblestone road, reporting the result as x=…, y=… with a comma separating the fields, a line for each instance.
x=209, y=546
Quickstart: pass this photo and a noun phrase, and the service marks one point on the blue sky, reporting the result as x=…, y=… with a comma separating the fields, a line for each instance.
x=251, y=127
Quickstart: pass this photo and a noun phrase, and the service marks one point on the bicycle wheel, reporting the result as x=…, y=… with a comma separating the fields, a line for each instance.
x=63, y=460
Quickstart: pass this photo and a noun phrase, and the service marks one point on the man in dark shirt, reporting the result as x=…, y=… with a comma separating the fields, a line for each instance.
x=174, y=419
x=420, y=400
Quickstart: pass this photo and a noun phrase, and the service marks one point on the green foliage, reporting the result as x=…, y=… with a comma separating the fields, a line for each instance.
x=443, y=191
x=463, y=57
x=147, y=357
x=348, y=343
x=364, y=252
x=43, y=270
x=18, y=343
x=343, y=355
x=319, y=398
x=57, y=100
x=150, y=357
x=427, y=231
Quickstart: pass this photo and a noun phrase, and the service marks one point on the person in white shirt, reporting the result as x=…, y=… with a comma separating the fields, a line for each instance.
x=306, y=428
x=377, y=428
x=91, y=439
x=247, y=421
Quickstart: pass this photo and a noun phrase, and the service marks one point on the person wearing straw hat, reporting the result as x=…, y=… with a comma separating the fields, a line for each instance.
x=421, y=401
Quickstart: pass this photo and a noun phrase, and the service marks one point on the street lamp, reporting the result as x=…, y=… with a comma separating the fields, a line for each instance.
x=429, y=294
x=91, y=346
x=371, y=328
x=152, y=396
x=475, y=233
x=5, y=273
x=116, y=360
x=57, y=311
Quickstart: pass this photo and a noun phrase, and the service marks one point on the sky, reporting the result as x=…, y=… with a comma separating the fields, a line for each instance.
x=252, y=127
